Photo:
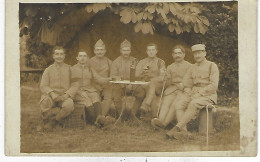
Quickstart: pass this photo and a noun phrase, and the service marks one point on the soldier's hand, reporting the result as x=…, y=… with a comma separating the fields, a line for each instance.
x=180, y=86
x=84, y=94
x=54, y=95
x=64, y=97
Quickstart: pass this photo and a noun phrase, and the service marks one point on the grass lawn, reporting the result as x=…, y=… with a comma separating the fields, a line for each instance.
x=122, y=138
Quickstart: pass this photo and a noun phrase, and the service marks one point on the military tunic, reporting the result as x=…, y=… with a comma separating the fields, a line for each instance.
x=121, y=67
x=88, y=78
x=154, y=65
x=202, y=78
x=59, y=79
x=152, y=74
x=102, y=67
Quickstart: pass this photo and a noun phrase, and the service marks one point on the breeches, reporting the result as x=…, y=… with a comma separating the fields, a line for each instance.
x=91, y=97
x=67, y=106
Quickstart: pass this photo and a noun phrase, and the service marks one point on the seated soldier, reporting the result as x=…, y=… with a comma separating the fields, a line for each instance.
x=150, y=69
x=58, y=87
x=202, y=78
x=120, y=70
x=87, y=93
x=101, y=64
x=174, y=91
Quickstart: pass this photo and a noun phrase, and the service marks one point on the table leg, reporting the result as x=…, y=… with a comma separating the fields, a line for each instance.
x=123, y=109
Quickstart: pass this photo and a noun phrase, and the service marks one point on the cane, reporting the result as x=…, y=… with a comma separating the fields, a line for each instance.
x=160, y=102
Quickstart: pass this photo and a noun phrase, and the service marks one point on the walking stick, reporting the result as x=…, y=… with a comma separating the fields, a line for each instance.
x=160, y=102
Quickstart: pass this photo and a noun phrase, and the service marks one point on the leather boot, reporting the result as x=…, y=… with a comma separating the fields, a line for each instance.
x=173, y=133
x=157, y=124
x=90, y=114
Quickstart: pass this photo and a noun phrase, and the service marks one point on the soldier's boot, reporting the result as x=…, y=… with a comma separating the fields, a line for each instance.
x=109, y=120
x=106, y=104
x=157, y=124
x=100, y=121
x=98, y=113
x=51, y=113
x=90, y=114
x=50, y=124
x=175, y=132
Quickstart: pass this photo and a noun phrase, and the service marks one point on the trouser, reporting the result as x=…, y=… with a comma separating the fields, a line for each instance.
x=92, y=97
x=167, y=111
x=92, y=112
x=106, y=92
x=120, y=91
x=193, y=109
x=66, y=107
x=180, y=101
x=153, y=89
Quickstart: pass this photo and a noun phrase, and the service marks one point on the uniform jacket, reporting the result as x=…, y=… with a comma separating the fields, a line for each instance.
x=121, y=67
x=175, y=73
x=87, y=77
x=154, y=67
x=102, y=67
x=203, y=78
x=58, y=79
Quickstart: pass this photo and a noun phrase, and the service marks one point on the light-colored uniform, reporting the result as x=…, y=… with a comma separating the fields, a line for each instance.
x=121, y=69
x=153, y=75
x=59, y=79
x=103, y=66
x=174, y=91
x=88, y=78
x=203, y=80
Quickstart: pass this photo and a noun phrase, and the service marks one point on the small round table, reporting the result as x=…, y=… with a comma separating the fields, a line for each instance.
x=125, y=83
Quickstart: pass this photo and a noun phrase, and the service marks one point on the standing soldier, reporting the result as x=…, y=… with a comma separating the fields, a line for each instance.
x=175, y=92
x=121, y=70
x=150, y=69
x=87, y=93
x=202, y=78
x=101, y=64
x=58, y=87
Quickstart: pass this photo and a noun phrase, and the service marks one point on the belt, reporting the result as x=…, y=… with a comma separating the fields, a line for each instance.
x=201, y=84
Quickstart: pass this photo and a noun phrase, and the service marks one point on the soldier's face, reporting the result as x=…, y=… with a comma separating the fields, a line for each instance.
x=100, y=51
x=59, y=56
x=151, y=51
x=82, y=57
x=199, y=55
x=178, y=55
x=125, y=51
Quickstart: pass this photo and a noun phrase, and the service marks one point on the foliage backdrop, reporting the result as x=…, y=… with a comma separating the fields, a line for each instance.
x=214, y=24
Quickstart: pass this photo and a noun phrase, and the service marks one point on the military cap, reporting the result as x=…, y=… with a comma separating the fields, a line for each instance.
x=125, y=43
x=198, y=47
x=100, y=43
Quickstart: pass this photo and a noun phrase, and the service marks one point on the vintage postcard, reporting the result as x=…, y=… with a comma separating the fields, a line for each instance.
x=131, y=78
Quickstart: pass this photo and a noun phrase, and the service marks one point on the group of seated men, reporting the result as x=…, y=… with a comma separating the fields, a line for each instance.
x=186, y=88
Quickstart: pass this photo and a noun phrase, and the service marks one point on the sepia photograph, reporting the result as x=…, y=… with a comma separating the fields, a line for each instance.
x=131, y=77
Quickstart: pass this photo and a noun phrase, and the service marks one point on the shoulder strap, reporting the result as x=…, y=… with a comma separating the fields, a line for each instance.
x=210, y=67
x=159, y=63
x=108, y=64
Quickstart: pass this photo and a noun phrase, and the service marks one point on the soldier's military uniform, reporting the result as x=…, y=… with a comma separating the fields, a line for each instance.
x=102, y=66
x=202, y=78
x=87, y=93
x=121, y=69
x=154, y=73
x=59, y=79
x=173, y=93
